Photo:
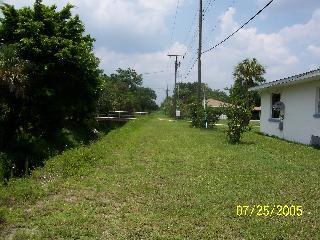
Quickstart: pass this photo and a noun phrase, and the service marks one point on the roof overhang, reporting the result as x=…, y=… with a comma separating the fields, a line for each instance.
x=297, y=79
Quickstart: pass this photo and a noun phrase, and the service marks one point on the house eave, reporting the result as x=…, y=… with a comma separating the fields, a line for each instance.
x=297, y=79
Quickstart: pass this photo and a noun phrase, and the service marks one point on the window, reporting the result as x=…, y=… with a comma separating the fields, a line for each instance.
x=275, y=98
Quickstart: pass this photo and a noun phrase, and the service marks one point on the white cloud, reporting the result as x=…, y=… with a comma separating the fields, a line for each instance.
x=270, y=49
x=282, y=53
x=227, y=23
x=289, y=4
x=135, y=17
x=138, y=16
x=158, y=64
x=142, y=62
x=303, y=32
x=315, y=50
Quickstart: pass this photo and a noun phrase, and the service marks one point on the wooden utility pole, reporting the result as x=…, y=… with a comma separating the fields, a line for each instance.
x=176, y=65
x=167, y=91
x=200, y=51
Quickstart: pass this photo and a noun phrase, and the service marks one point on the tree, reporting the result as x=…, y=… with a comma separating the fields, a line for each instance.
x=123, y=90
x=217, y=94
x=55, y=71
x=248, y=73
x=146, y=99
x=13, y=83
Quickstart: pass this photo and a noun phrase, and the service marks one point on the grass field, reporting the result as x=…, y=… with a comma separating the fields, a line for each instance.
x=160, y=179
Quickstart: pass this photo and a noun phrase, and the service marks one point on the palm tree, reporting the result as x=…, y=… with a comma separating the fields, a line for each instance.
x=248, y=73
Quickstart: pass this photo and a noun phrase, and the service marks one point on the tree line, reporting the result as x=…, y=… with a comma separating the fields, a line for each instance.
x=238, y=102
x=51, y=86
x=186, y=96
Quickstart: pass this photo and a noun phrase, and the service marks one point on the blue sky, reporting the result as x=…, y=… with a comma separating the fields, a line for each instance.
x=137, y=34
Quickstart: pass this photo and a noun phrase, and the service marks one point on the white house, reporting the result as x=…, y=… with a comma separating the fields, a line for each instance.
x=290, y=108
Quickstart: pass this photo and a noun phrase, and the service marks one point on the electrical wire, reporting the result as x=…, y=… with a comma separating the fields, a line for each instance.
x=213, y=29
x=190, y=70
x=150, y=73
x=206, y=9
x=242, y=26
x=174, y=21
x=191, y=27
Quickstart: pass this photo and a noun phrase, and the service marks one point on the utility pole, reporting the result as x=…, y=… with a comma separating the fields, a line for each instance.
x=167, y=91
x=176, y=65
x=200, y=50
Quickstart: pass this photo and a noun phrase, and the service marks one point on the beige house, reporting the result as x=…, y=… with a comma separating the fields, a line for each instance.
x=215, y=103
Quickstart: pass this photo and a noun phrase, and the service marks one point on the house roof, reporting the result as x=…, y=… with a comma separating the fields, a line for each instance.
x=215, y=103
x=303, y=77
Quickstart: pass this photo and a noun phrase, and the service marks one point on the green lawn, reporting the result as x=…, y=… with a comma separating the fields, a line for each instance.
x=156, y=179
x=253, y=123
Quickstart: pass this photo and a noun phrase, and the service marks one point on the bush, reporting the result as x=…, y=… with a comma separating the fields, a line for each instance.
x=238, y=118
x=167, y=107
x=200, y=116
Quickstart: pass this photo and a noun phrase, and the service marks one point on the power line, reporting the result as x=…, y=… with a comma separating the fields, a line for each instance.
x=191, y=26
x=190, y=69
x=213, y=29
x=174, y=21
x=149, y=73
x=242, y=26
x=193, y=57
x=191, y=44
x=210, y=2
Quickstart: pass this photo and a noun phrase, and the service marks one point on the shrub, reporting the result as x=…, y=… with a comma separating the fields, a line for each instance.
x=167, y=107
x=200, y=116
x=238, y=118
x=213, y=116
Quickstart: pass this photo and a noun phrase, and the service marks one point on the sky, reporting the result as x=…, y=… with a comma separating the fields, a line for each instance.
x=140, y=33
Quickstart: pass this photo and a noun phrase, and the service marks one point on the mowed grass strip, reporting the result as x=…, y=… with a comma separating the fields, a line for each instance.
x=161, y=179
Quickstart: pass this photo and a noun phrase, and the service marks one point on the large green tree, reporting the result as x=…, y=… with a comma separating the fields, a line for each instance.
x=123, y=90
x=49, y=74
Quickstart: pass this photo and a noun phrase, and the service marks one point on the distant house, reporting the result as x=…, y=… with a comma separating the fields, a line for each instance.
x=290, y=108
x=215, y=104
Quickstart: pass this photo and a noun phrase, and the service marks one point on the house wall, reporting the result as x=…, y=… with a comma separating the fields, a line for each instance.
x=299, y=123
